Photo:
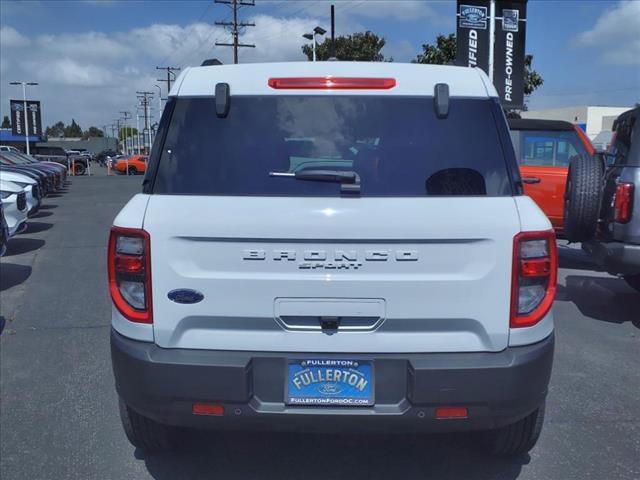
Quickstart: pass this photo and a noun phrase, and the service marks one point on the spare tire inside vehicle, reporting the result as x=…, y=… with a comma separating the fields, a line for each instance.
x=582, y=198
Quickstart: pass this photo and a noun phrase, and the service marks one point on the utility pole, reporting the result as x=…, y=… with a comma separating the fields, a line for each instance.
x=138, y=132
x=127, y=116
x=145, y=98
x=171, y=76
x=118, y=134
x=236, y=26
x=159, y=100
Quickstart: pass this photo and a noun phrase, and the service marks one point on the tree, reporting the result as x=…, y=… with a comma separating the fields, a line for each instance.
x=73, y=130
x=444, y=52
x=92, y=132
x=55, y=130
x=6, y=123
x=532, y=79
x=359, y=47
x=126, y=132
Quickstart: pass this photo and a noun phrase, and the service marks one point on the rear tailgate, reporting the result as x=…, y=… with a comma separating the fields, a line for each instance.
x=399, y=274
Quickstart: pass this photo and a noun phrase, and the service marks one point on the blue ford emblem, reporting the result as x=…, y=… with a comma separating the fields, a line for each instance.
x=329, y=389
x=185, y=295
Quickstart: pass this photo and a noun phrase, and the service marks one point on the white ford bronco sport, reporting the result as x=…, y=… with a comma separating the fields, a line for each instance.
x=334, y=246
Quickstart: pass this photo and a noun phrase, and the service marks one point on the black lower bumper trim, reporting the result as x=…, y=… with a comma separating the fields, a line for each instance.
x=496, y=388
x=615, y=257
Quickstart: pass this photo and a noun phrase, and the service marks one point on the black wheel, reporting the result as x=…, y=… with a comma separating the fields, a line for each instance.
x=145, y=433
x=633, y=281
x=80, y=168
x=132, y=171
x=582, y=198
x=517, y=438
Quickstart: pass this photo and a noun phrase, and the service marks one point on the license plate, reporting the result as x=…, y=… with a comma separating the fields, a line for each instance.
x=347, y=383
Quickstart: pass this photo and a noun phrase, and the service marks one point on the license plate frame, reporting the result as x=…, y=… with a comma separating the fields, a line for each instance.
x=323, y=382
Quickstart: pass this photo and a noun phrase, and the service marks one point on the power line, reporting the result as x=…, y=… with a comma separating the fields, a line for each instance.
x=236, y=26
x=170, y=73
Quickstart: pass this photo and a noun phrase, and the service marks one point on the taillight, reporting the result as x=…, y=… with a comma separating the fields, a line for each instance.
x=129, y=266
x=332, y=83
x=534, y=277
x=623, y=202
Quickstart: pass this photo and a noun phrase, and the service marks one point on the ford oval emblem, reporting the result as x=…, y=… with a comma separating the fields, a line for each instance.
x=329, y=389
x=185, y=295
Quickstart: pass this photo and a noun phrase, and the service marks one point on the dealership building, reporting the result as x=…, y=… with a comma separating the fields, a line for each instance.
x=595, y=120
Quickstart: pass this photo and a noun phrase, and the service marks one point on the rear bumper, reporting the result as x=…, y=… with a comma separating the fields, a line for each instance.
x=615, y=257
x=497, y=388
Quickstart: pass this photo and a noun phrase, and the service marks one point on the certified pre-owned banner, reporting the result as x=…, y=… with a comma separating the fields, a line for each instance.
x=508, y=63
x=19, y=116
x=472, y=33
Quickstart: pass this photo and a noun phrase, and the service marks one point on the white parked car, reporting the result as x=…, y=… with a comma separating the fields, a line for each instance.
x=333, y=245
x=14, y=202
x=30, y=187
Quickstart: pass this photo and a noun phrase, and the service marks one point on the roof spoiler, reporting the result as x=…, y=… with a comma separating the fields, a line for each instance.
x=210, y=62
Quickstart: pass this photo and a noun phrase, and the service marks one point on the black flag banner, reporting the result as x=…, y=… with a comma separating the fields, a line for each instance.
x=19, y=117
x=508, y=63
x=472, y=33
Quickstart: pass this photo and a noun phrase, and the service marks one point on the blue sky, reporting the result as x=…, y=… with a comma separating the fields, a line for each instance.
x=90, y=57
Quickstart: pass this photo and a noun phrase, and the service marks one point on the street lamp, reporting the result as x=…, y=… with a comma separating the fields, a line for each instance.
x=312, y=38
x=26, y=116
x=159, y=99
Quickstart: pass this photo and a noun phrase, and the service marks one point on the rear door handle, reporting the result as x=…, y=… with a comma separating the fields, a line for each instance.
x=530, y=180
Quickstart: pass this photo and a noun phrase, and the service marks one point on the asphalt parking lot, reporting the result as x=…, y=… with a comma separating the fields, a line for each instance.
x=59, y=416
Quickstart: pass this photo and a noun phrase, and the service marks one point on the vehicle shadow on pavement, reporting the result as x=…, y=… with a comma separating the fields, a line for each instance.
x=20, y=245
x=603, y=298
x=36, y=227
x=12, y=275
x=282, y=456
x=42, y=214
x=575, y=259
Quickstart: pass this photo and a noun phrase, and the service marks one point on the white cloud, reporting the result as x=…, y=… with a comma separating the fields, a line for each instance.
x=92, y=76
x=616, y=35
x=10, y=37
x=70, y=72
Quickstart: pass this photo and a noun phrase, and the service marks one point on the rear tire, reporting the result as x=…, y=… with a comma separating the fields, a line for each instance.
x=145, y=433
x=582, y=198
x=633, y=281
x=132, y=171
x=517, y=438
x=80, y=169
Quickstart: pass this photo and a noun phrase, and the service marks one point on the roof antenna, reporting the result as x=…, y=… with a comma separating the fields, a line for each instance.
x=333, y=34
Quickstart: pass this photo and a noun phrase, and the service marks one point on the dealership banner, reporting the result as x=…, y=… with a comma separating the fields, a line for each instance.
x=19, y=116
x=508, y=61
x=472, y=33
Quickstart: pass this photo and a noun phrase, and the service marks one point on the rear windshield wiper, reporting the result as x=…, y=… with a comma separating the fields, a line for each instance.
x=349, y=180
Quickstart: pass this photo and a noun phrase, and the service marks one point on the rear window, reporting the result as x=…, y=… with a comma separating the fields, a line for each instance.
x=547, y=148
x=395, y=144
x=625, y=147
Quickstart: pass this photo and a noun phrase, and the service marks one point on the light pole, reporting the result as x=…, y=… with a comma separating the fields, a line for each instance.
x=159, y=100
x=137, y=132
x=127, y=116
x=26, y=115
x=312, y=38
